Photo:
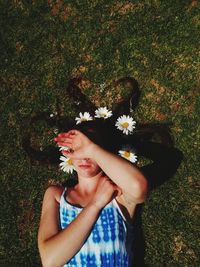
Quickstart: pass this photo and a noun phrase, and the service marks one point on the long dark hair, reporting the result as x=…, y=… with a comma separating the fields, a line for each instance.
x=110, y=137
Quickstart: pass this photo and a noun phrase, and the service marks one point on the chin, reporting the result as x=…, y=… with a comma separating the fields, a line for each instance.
x=89, y=173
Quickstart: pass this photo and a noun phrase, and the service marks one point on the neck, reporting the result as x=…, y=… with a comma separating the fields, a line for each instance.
x=88, y=184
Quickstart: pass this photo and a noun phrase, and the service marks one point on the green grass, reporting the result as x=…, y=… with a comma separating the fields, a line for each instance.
x=44, y=44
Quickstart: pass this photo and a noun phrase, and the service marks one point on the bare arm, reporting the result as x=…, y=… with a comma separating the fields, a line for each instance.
x=58, y=246
x=124, y=174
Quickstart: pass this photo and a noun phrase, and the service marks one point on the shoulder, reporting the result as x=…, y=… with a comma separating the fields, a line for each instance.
x=54, y=192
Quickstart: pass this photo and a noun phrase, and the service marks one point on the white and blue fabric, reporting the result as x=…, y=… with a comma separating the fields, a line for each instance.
x=110, y=241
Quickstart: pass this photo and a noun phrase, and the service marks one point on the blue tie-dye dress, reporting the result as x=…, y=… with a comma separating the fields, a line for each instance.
x=110, y=240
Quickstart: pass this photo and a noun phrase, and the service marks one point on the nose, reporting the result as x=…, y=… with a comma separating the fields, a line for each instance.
x=85, y=160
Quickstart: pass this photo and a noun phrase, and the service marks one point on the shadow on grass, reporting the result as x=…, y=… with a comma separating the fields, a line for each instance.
x=166, y=160
x=152, y=141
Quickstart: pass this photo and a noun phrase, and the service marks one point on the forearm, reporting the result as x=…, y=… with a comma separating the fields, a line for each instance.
x=60, y=248
x=127, y=176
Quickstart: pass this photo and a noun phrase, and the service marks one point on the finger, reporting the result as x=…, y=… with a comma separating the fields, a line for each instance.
x=103, y=180
x=111, y=182
x=63, y=135
x=117, y=190
x=108, y=184
x=68, y=152
x=59, y=139
x=73, y=132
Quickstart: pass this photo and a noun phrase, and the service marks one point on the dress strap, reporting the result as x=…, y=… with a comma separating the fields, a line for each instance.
x=62, y=197
x=118, y=208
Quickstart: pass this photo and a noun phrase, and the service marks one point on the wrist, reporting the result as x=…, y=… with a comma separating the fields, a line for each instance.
x=95, y=206
x=91, y=150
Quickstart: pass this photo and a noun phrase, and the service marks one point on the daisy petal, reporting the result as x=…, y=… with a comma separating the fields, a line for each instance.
x=126, y=124
x=127, y=154
x=66, y=165
x=83, y=117
x=103, y=113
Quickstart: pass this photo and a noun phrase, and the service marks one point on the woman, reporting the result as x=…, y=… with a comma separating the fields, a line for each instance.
x=89, y=224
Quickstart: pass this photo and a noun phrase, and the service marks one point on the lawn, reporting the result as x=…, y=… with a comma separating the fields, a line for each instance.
x=43, y=45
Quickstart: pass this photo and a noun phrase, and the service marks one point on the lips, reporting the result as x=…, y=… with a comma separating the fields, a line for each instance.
x=84, y=166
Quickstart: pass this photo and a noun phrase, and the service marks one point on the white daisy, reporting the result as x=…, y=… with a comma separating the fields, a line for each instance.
x=125, y=124
x=127, y=154
x=103, y=113
x=66, y=165
x=83, y=117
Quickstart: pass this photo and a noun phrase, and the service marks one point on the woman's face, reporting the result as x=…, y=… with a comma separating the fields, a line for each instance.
x=86, y=167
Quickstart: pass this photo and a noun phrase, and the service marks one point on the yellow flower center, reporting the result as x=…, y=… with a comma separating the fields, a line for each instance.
x=127, y=154
x=125, y=125
x=70, y=162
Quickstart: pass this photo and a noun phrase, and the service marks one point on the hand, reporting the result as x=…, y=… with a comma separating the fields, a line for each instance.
x=77, y=144
x=106, y=191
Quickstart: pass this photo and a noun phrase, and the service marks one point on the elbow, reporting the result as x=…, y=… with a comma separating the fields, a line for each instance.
x=48, y=262
x=140, y=190
x=52, y=260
